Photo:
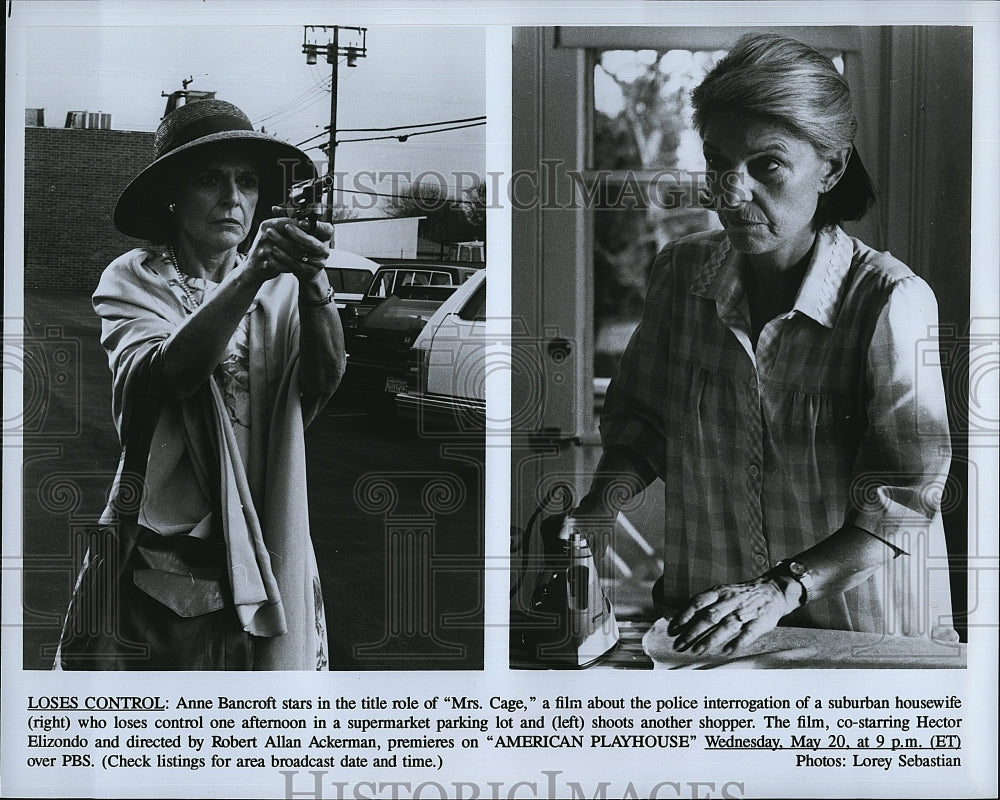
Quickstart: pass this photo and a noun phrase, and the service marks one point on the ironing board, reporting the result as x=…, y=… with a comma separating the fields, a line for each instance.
x=811, y=648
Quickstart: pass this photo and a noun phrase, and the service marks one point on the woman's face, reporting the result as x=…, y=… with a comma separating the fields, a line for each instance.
x=766, y=185
x=215, y=202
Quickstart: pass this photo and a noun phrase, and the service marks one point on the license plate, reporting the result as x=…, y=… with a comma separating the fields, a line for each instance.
x=395, y=385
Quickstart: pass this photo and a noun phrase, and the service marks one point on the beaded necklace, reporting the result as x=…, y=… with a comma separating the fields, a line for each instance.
x=183, y=278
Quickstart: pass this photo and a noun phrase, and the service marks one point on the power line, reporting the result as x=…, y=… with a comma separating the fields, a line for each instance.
x=280, y=115
x=443, y=201
x=316, y=136
x=317, y=89
x=418, y=125
x=403, y=137
x=274, y=121
x=309, y=96
x=396, y=128
x=400, y=137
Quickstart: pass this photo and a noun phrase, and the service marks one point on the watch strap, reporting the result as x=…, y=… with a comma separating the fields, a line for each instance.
x=801, y=574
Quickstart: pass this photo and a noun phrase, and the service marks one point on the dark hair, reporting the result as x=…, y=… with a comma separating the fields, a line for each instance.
x=793, y=84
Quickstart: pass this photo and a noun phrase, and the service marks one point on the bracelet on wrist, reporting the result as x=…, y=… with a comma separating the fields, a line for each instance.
x=325, y=301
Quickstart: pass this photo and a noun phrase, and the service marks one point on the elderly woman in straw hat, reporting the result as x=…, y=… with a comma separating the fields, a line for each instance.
x=224, y=344
x=775, y=383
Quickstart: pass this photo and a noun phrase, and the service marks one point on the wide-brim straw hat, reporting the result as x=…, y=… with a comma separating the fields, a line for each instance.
x=206, y=127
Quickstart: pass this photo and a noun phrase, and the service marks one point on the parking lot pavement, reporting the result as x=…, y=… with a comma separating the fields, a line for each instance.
x=397, y=520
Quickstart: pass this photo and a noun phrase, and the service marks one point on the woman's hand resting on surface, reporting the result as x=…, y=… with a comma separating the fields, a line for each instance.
x=726, y=618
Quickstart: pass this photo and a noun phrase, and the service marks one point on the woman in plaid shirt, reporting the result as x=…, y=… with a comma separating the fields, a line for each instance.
x=778, y=383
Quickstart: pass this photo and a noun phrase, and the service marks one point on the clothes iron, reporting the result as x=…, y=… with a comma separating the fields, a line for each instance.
x=570, y=621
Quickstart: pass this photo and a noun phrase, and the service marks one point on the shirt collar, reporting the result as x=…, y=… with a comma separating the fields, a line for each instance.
x=718, y=278
x=822, y=288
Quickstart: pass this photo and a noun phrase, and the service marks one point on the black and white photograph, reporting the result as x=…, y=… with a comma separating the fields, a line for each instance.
x=697, y=499
x=252, y=226
x=795, y=391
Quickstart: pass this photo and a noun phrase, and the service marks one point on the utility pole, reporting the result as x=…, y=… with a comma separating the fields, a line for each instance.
x=332, y=48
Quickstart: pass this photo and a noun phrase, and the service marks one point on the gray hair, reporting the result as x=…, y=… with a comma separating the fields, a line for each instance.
x=798, y=87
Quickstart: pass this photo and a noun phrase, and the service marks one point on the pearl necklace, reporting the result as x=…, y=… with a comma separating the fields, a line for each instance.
x=183, y=279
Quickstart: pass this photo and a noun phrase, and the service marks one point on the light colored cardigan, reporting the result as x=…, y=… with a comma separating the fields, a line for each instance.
x=194, y=456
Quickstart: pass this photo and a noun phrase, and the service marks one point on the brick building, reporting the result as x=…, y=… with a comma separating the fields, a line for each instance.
x=72, y=178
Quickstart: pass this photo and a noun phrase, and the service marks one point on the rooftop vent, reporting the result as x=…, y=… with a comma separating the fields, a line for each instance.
x=88, y=119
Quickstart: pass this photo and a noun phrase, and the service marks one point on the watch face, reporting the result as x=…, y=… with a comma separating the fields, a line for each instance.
x=797, y=569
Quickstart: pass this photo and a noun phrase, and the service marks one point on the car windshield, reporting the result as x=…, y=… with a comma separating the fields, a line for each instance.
x=343, y=279
x=382, y=284
x=388, y=281
x=475, y=307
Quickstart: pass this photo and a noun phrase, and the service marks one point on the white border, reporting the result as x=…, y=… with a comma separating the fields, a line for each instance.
x=767, y=778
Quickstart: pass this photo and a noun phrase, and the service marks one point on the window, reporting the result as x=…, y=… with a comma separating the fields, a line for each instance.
x=382, y=284
x=646, y=164
x=642, y=114
x=474, y=309
x=349, y=280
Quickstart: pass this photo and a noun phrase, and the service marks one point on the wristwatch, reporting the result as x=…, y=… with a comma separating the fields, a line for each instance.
x=800, y=572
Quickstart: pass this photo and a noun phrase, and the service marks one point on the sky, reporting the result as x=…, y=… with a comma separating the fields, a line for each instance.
x=412, y=74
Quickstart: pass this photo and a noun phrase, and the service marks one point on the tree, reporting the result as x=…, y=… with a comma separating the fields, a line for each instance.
x=641, y=118
x=447, y=219
x=341, y=212
x=475, y=208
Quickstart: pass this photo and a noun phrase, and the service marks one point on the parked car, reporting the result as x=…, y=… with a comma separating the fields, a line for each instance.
x=396, y=274
x=350, y=276
x=377, y=364
x=468, y=251
x=446, y=379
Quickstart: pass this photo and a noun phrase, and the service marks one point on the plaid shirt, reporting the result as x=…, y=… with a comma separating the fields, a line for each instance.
x=838, y=416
